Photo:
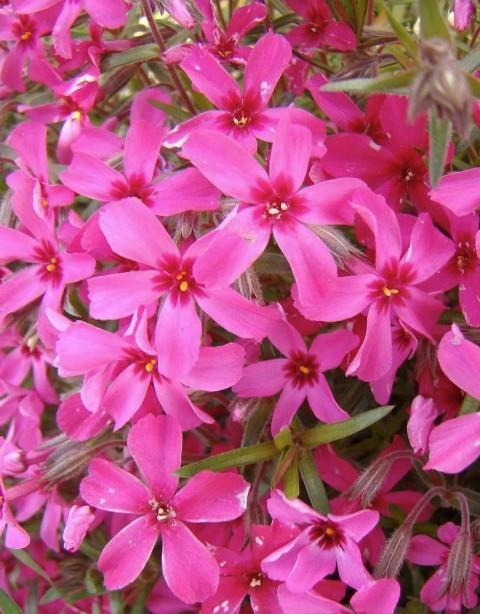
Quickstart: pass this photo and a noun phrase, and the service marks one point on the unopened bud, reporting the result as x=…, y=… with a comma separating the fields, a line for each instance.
x=370, y=481
x=67, y=461
x=441, y=84
x=459, y=563
x=394, y=553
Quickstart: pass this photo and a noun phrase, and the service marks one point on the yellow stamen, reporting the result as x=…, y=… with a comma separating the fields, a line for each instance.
x=329, y=531
x=183, y=286
x=180, y=275
x=52, y=266
x=241, y=121
x=389, y=291
x=150, y=365
x=44, y=202
x=303, y=369
x=76, y=115
x=25, y=36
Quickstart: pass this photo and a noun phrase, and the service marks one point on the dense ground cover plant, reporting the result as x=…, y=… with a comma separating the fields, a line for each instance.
x=239, y=306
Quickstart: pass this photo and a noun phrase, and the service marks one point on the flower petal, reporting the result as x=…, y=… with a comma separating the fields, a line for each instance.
x=126, y=554
x=155, y=442
x=212, y=497
x=108, y=487
x=191, y=572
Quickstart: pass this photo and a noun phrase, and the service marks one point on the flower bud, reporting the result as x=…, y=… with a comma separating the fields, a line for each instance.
x=441, y=84
x=459, y=563
x=394, y=553
x=370, y=481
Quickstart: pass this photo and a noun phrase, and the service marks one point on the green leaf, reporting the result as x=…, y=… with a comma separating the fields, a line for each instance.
x=172, y=110
x=7, y=605
x=471, y=61
x=51, y=595
x=135, y=55
x=432, y=22
x=403, y=36
x=439, y=131
x=256, y=423
x=469, y=406
x=232, y=458
x=384, y=83
x=474, y=85
x=27, y=560
x=326, y=433
x=313, y=483
x=291, y=480
x=360, y=7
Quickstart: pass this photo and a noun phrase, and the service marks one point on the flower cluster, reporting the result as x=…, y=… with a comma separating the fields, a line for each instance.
x=239, y=308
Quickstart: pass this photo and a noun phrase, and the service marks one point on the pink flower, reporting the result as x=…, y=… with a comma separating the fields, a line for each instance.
x=437, y=592
x=422, y=416
x=182, y=191
x=299, y=376
x=242, y=115
x=31, y=184
x=392, y=290
x=272, y=204
x=121, y=372
x=463, y=11
x=324, y=544
x=241, y=572
x=395, y=169
x=189, y=568
x=135, y=233
x=79, y=518
x=320, y=29
x=50, y=270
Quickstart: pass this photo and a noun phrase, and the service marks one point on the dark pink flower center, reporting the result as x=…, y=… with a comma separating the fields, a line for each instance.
x=392, y=284
x=302, y=369
x=177, y=277
x=327, y=534
x=46, y=255
x=136, y=186
x=255, y=579
x=465, y=258
x=225, y=47
x=162, y=511
x=24, y=30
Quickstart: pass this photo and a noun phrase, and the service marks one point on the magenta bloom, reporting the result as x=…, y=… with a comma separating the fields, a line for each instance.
x=320, y=29
x=272, y=204
x=300, y=375
x=242, y=115
x=120, y=372
x=436, y=592
x=323, y=545
x=392, y=290
x=241, y=572
x=189, y=569
x=50, y=271
x=135, y=233
x=395, y=169
x=31, y=184
x=463, y=270
x=183, y=190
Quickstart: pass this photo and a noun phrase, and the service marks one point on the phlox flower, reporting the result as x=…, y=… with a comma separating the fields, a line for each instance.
x=224, y=43
x=241, y=572
x=189, y=569
x=121, y=371
x=242, y=115
x=272, y=204
x=25, y=32
x=51, y=268
x=31, y=185
x=324, y=544
x=299, y=376
x=455, y=443
x=320, y=29
x=436, y=592
x=391, y=290
x=182, y=191
x=135, y=233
